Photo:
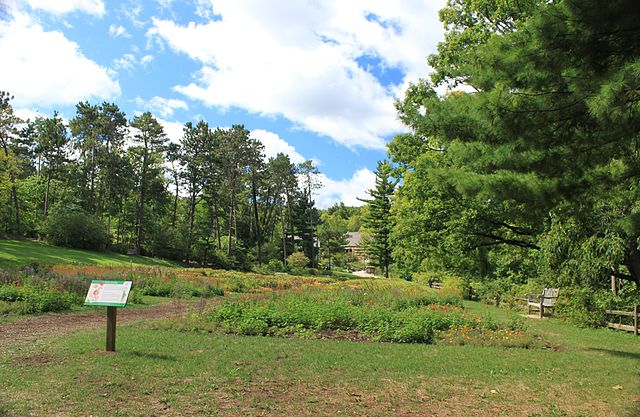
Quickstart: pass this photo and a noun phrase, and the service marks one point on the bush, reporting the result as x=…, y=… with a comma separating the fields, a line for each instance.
x=68, y=225
x=297, y=260
x=403, y=316
x=457, y=285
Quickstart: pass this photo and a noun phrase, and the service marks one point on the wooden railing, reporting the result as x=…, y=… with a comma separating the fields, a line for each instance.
x=630, y=328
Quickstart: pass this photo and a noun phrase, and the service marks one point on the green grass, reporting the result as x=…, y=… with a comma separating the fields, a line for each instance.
x=17, y=253
x=165, y=372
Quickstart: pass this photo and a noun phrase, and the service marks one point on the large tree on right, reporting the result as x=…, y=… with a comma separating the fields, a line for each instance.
x=540, y=150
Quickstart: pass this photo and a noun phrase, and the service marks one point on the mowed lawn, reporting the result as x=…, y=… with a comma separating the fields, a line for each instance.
x=16, y=253
x=159, y=372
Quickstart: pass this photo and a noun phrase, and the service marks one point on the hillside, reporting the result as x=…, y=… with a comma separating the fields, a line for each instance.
x=16, y=253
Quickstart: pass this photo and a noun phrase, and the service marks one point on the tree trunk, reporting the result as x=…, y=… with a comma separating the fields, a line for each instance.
x=46, y=195
x=216, y=222
x=284, y=240
x=254, y=193
x=632, y=261
x=140, y=216
x=230, y=230
x=16, y=205
x=14, y=192
x=175, y=206
x=192, y=212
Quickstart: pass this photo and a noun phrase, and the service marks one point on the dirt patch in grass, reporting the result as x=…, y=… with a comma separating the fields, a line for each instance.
x=37, y=359
x=34, y=328
x=350, y=335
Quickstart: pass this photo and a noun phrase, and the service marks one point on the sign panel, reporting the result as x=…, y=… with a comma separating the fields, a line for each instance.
x=108, y=293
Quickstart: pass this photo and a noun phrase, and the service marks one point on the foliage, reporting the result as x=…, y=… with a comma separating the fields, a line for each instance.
x=68, y=225
x=530, y=172
x=410, y=315
x=378, y=219
x=297, y=260
x=238, y=208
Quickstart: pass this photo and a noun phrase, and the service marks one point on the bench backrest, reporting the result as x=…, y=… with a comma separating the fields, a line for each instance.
x=550, y=295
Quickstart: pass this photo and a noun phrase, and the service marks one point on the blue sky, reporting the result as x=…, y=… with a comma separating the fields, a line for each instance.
x=315, y=79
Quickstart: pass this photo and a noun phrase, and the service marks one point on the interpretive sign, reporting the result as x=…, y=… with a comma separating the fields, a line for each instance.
x=111, y=294
x=108, y=293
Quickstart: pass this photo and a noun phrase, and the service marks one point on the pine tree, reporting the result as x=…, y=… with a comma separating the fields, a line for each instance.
x=379, y=220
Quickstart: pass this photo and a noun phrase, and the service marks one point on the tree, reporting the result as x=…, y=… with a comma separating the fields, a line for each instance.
x=51, y=148
x=309, y=183
x=282, y=178
x=379, y=221
x=547, y=138
x=149, y=139
x=9, y=140
x=173, y=157
x=332, y=232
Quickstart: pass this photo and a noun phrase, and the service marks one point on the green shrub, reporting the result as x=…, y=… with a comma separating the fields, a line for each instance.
x=297, y=260
x=583, y=306
x=457, y=285
x=29, y=300
x=397, y=316
x=68, y=225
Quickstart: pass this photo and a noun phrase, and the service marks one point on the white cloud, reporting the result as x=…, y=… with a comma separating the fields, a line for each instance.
x=300, y=60
x=46, y=68
x=25, y=113
x=173, y=130
x=346, y=190
x=164, y=106
x=119, y=30
x=274, y=144
x=60, y=7
x=126, y=62
x=146, y=59
x=132, y=12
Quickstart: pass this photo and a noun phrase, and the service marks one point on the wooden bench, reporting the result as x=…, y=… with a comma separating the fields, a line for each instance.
x=541, y=301
x=630, y=328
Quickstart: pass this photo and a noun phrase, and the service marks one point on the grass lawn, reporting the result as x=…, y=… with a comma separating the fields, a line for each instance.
x=593, y=372
x=16, y=253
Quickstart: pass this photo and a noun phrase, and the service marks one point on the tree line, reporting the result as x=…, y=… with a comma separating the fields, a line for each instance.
x=105, y=181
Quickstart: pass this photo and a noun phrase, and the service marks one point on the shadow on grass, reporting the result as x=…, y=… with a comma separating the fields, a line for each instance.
x=149, y=355
x=619, y=353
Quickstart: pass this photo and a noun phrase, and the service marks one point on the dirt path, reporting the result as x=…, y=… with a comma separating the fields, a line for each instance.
x=31, y=329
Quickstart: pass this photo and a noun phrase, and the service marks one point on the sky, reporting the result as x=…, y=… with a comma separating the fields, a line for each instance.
x=315, y=79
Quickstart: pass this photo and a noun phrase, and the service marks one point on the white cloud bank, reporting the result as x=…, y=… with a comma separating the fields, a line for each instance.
x=299, y=60
x=274, y=144
x=160, y=105
x=346, y=190
x=45, y=68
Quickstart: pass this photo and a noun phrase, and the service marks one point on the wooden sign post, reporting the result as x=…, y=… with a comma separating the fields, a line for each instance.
x=111, y=294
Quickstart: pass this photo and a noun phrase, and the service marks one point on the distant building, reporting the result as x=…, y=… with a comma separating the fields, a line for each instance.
x=354, y=245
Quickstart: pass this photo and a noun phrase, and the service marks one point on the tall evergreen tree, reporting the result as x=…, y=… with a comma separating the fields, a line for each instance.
x=9, y=140
x=52, y=148
x=378, y=220
x=149, y=139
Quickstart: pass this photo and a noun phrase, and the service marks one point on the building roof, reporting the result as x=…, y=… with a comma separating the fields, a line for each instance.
x=353, y=239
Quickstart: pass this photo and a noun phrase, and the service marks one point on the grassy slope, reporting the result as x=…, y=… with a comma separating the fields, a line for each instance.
x=164, y=372
x=16, y=253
